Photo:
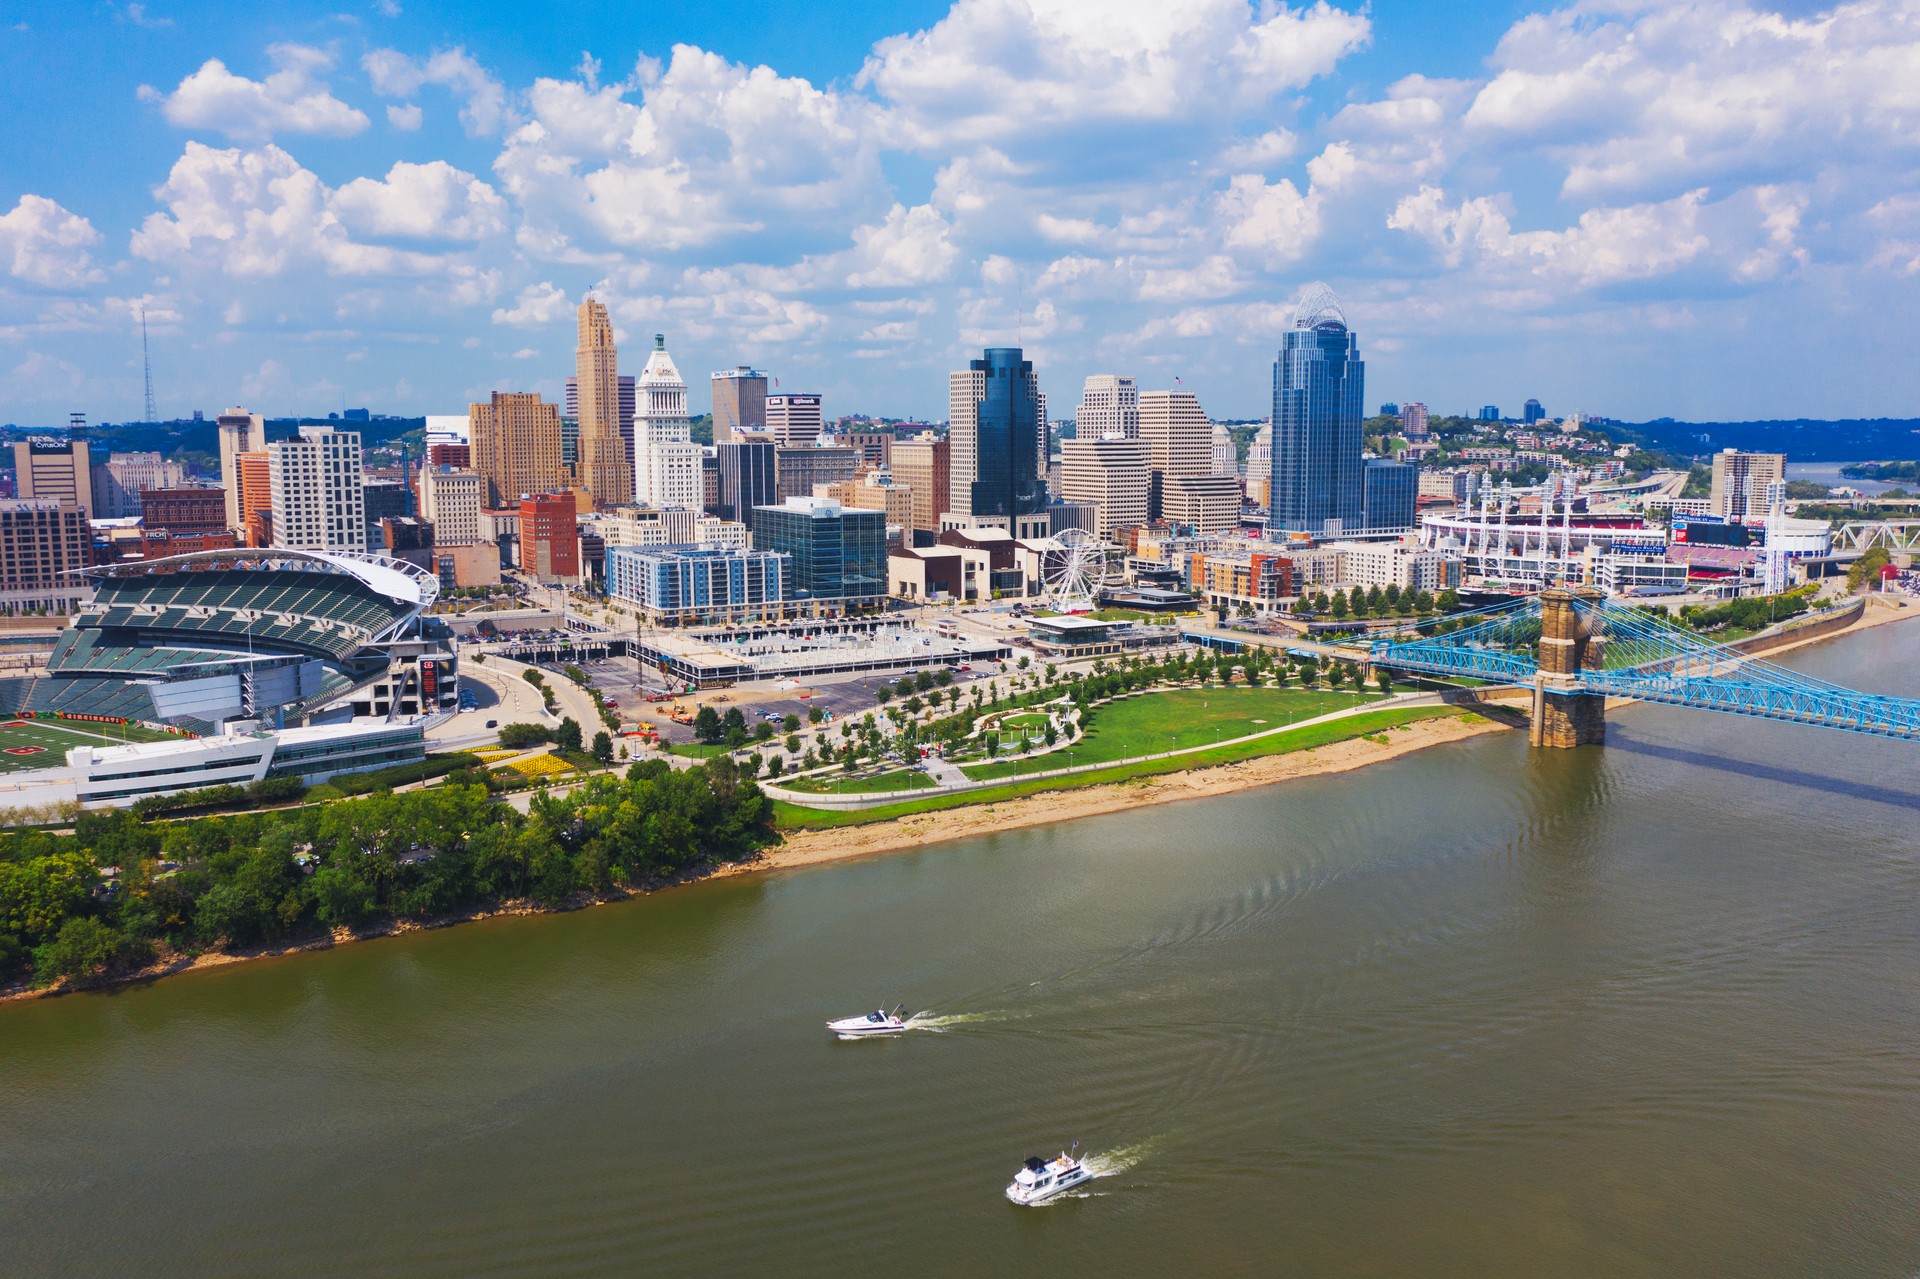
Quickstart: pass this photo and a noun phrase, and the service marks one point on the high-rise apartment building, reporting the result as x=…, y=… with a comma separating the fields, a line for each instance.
x=1413, y=420
x=1109, y=405
x=1740, y=483
x=1112, y=472
x=54, y=471
x=43, y=543
x=240, y=431
x=516, y=445
x=118, y=483
x=319, y=502
x=666, y=461
x=794, y=420
x=605, y=466
x=739, y=402
x=450, y=500
x=998, y=430
x=925, y=465
x=1318, y=389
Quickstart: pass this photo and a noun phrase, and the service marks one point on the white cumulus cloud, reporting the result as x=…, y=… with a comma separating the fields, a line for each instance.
x=45, y=245
x=290, y=100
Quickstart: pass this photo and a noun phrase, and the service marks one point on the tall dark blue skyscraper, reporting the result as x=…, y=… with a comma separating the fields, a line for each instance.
x=1318, y=385
x=997, y=422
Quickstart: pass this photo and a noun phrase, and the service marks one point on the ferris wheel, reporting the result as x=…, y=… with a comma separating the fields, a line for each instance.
x=1074, y=571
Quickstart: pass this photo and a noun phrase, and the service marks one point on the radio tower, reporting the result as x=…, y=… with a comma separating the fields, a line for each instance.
x=146, y=359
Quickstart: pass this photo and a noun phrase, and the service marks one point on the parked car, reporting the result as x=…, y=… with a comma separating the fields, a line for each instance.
x=493, y=723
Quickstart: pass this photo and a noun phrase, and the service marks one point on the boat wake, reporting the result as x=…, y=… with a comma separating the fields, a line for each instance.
x=944, y=1022
x=1109, y=1163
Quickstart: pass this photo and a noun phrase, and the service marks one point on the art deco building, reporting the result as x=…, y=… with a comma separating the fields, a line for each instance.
x=666, y=461
x=516, y=446
x=604, y=468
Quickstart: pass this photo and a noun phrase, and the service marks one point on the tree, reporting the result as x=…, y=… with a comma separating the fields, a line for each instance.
x=82, y=948
x=1423, y=602
x=904, y=688
x=923, y=682
x=791, y=724
x=734, y=721
x=1392, y=596
x=815, y=714
x=567, y=736
x=763, y=731
x=1053, y=734
x=943, y=677
x=1376, y=599
x=912, y=705
x=603, y=746
x=793, y=743
x=706, y=726
x=1384, y=678
x=882, y=695
x=775, y=767
x=1339, y=606
x=1449, y=601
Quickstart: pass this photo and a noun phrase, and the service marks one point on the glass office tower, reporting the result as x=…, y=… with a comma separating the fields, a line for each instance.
x=998, y=436
x=1318, y=386
x=837, y=556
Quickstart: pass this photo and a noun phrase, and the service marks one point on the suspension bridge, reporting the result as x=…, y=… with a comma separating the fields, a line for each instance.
x=1576, y=650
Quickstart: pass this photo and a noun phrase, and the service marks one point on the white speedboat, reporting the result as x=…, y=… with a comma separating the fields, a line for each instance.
x=1041, y=1179
x=878, y=1022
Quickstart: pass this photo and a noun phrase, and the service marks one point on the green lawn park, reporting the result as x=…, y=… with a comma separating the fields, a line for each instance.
x=1176, y=720
x=55, y=737
x=796, y=817
x=832, y=784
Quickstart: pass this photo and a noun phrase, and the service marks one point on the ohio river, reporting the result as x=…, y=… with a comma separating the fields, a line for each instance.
x=1646, y=1010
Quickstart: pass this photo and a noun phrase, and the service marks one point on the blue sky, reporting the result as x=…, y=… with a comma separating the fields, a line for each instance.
x=1705, y=210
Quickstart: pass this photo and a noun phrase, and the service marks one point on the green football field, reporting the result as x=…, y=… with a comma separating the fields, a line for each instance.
x=55, y=737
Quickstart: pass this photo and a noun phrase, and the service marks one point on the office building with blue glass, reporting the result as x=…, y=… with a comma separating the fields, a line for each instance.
x=1389, y=495
x=1318, y=387
x=998, y=427
x=747, y=477
x=837, y=556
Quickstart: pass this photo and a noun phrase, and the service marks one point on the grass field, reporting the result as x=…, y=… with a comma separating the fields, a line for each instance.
x=795, y=817
x=1176, y=720
x=897, y=779
x=55, y=737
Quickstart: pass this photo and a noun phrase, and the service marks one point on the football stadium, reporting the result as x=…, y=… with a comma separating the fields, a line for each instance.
x=322, y=662
x=275, y=636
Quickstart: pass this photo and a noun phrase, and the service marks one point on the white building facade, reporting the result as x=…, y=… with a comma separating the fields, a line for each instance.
x=666, y=461
x=316, y=479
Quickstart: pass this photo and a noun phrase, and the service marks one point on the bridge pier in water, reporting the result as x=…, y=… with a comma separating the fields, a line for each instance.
x=1562, y=716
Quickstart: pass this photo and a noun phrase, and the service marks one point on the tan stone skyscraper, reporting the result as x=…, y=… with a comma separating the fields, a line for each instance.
x=516, y=445
x=604, y=468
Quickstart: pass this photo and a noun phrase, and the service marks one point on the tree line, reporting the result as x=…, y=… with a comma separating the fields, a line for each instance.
x=117, y=893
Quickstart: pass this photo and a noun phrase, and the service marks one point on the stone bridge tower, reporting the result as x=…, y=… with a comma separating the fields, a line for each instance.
x=1562, y=715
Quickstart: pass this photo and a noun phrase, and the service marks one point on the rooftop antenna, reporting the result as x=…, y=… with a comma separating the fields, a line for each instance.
x=146, y=359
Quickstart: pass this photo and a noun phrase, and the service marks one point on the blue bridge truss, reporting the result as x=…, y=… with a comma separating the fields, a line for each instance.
x=1632, y=653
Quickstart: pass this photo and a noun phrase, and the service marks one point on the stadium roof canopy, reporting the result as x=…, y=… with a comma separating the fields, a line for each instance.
x=395, y=579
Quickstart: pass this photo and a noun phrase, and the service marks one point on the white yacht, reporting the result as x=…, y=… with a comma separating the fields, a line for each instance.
x=878, y=1022
x=1041, y=1179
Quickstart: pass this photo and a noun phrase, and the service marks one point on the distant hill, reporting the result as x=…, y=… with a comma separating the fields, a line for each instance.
x=1801, y=439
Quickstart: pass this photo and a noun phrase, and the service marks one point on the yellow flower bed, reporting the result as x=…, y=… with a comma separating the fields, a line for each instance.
x=541, y=766
x=494, y=753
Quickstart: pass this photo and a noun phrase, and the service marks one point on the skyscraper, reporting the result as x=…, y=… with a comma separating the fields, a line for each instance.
x=1531, y=412
x=604, y=468
x=1179, y=439
x=666, y=461
x=318, y=498
x=739, y=402
x=998, y=432
x=925, y=465
x=1113, y=472
x=1318, y=388
x=56, y=470
x=1109, y=405
x=516, y=445
x=794, y=420
x=241, y=431
x=748, y=477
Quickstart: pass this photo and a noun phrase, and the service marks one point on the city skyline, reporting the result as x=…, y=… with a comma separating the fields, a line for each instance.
x=400, y=206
